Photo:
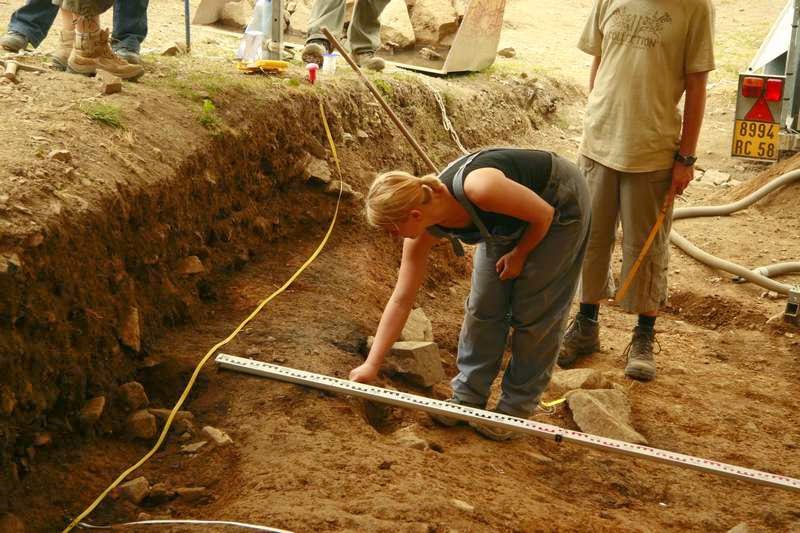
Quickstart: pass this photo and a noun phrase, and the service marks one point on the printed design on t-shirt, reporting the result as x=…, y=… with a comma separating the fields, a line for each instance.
x=637, y=30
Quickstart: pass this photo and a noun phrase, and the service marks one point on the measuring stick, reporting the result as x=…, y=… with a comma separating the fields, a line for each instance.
x=470, y=414
x=646, y=248
x=410, y=138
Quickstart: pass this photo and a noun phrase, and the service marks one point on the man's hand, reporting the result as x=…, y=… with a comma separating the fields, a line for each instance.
x=364, y=373
x=682, y=175
x=510, y=265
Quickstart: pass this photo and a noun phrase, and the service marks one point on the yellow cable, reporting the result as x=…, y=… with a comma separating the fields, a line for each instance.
x=222, y=343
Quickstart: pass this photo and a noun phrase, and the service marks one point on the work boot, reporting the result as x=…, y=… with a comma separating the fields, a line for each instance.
x=449, y=421
x=92, y=52
x=581, y=339
x=66, y=40
x=128, y=55
x=641, y=361
x=315, y=50
x=370, y=61
x=496, y=433
x=13, y=41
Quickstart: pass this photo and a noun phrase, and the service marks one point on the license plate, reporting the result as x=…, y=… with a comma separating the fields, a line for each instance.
x=757, y=140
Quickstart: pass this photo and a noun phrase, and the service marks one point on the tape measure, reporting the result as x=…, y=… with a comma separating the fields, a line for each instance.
x=470, y=414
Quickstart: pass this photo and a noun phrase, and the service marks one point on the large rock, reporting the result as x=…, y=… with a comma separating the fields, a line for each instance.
x=209, y=11
x=135, y=490
x=318, y=170
x=142, y=424
x=417, y=361
x=564, y=381
x=434, y=21
x=417, y=328
x=605, y=413
x=298, y=22
x=396, y=24
x=237, y=13
x=92, y=411
x=134, y=395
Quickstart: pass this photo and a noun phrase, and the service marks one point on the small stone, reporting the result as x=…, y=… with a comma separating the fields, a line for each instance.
x=191, y=494
x=10, y=523
x=218, y=437
x=318, y=170
x=136, y=490
x=361, y=134
x=174, y=50
x=772, y=295
x=418, y=327
x=142, y=424
x=462, y=505
x=408, y=438
x=194, y=447
x=10, y=263
x=507, y=52
x=160, y=493
x=43, y=439
x=130, y=333
x=190, y=265
x=334, y=186
x=92, y=411
x=185, y=437
x=430, y=55
x=109, y=84
x=134, y=395
x=65, y=156
x=577, y=378
x=740, y=528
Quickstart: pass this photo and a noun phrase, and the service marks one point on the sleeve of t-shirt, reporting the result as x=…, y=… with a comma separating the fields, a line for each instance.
x=591, y=40
x=699, y=55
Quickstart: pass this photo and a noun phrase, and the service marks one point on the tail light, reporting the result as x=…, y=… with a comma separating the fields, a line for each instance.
x=752, y=87
x=774, y=92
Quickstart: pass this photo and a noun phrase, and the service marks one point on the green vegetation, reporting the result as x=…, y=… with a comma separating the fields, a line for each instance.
x=208, y=115
x=110, y=115
x=384, y=86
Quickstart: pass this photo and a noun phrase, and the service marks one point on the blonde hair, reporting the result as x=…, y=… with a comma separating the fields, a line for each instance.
x=394, y=194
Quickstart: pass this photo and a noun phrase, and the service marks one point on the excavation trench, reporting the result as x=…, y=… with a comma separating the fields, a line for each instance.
x=150, y=235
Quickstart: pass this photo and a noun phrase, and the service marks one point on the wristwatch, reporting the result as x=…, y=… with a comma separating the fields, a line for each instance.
x=687, y=160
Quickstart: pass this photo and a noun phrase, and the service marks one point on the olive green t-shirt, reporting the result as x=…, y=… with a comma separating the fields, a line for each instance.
x=647, y=47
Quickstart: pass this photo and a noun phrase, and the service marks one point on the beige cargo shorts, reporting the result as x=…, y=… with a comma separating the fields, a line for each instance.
x=634, y=199
x=85, y=8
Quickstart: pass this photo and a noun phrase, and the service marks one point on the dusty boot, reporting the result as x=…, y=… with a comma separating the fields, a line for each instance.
x=66, y=40
x=370, y=61
x=92, y=52
x=641, y=361
x=128, y=55
x=449, y=421
x=582, y=339
x=315, y=50
x=13, y=41
x=495, y=432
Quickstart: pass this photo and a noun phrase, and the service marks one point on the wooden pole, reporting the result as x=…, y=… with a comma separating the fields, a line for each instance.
x=410, y=138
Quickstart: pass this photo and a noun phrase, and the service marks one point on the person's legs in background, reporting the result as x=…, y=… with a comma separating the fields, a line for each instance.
x=29, y=24
x=130, y=29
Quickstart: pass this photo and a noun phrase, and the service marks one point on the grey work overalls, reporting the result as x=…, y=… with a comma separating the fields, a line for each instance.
x=535, y=304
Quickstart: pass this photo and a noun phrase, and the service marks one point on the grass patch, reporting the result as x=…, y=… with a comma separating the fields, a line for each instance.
x=208, y=115
x=384, y=86
x=107, y=114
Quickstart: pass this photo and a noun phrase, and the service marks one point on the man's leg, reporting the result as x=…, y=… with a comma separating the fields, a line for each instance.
x=642, y=195
x=324, y=13
x=32, y=21
x=130, y=28
x=583, y=335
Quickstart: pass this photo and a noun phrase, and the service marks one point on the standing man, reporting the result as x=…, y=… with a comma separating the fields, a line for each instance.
x=636, y=151
x=363, y=34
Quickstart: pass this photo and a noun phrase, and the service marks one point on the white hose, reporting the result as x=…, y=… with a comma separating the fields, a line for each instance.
x=241, y=525
x=758, y=276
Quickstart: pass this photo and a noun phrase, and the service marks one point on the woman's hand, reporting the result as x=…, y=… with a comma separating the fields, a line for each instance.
x=365, y=372
x=510, y=265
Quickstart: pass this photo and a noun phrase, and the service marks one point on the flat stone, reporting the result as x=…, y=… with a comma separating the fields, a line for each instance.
x=65, y=156
x=10, y=523
x=130, y=331
x=564, y=381
x=191, y=494
x=318, y=170
x=408, y=438
x=92, y=411
x=396, y=24
x=417, y=328
x=217, y=436
x=417, y=361
x=605, y=413
x=135, y=490
x=507, y=52
x=462, y=505
x=190, y=265
x=134, y=395
x=194, y=447
x=142, y=424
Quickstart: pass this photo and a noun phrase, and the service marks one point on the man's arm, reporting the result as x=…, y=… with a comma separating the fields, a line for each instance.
x=693, y=110
x=593, y=72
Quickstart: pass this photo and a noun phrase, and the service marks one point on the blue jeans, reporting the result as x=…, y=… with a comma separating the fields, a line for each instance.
x=34, y=19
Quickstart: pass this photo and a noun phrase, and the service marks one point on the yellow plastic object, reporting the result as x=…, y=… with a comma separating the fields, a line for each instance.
x=263, y=65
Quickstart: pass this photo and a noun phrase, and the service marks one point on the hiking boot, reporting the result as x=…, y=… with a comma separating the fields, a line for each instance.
x=92, y=52
x=497, y=433
x=315, y=50
x=581, y=339
x=370, y=61
x=641, y=361
x=128, y=55
x=66, y=40
x=13, y=41
x=449, y=421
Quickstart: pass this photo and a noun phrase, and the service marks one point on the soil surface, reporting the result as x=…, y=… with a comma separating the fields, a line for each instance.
x=206, y=163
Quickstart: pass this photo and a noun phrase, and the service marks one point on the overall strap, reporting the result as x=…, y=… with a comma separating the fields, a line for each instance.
x=458, y=190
